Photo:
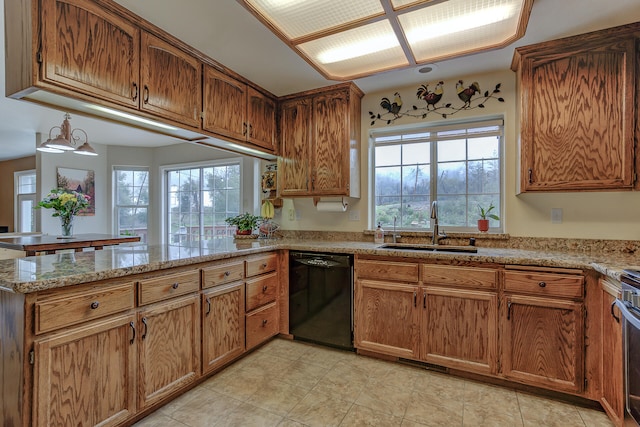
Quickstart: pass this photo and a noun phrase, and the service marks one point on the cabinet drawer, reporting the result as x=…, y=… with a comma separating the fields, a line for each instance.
x=468, y=277
x=558, y=285
x=222, y=273
x=387, y=270
x=262, y=324
x=70, y=308
x=261, y=264
x=261, y=290
x=172, y=285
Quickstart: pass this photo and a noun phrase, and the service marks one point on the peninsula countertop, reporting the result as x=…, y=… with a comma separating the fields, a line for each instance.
x=31, y=274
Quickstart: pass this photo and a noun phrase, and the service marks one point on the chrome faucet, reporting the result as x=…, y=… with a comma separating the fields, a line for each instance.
x=395, y=236
x=437, y=236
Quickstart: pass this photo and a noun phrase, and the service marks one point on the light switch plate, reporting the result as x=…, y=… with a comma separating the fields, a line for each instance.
x=556, y=215
x=354, y=215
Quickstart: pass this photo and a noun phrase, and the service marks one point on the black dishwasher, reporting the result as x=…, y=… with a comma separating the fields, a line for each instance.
x=321, y=298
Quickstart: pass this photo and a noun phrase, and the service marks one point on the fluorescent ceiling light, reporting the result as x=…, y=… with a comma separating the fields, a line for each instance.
x=345, y=40
x=130, y=117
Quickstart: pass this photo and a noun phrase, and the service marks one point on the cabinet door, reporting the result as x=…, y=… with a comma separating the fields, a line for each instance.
x=224, y=105
x=612, y=398
x=295, y=147
x=578, y=119
x=386, y=318
x=169, y=348
x=86, y=375
x=460, y=329
x=543, y=342
x=261, y=116
x=330, y=153
x=91, y=50
x=222, y=325
x=171, y=81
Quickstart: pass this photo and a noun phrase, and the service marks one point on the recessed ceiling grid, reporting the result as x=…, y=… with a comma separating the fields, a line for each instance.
x=350, y=39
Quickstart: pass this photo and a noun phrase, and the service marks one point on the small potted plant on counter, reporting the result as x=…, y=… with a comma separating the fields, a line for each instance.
x=485, y=214
x=245, y=223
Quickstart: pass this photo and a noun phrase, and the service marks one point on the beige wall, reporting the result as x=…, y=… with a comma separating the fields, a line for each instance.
x=7, y=169
x=598, y=215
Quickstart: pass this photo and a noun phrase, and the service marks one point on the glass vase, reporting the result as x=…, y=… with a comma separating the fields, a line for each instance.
x=66, y=226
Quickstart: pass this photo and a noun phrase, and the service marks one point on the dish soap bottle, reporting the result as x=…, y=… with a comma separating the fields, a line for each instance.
x=378, y=236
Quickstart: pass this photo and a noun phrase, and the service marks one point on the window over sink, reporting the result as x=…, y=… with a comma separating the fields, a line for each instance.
x=459, y=164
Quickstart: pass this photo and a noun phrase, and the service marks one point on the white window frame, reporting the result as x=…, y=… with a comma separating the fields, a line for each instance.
x=116, y=217
x=20, y=197
x=435, y=127
x=164, y=218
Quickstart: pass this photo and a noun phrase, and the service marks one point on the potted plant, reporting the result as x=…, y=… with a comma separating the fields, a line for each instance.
x=245, y=223
x=483, y=222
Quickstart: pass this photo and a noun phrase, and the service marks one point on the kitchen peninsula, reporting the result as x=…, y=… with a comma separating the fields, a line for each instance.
x=31, y=245
x=199, y=309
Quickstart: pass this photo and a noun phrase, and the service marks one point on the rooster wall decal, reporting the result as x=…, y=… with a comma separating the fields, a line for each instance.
x=392, y=108
x=465, y=94
x=431, y=98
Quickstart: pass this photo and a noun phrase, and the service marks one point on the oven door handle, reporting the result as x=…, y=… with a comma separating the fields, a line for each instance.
x=628, y=316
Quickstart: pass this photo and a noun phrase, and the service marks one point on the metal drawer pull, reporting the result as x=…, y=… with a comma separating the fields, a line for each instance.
x=175, y=285
x=264, y=322
x=415, y=299
x=133, y=329
x=424, y=300
x=264, y=288
x=264, y=265
x=95, y=305
x=542, y=284
x=509, y=310
x=613, y=304
x=227, y=273
x=208, y=306
x=135, y=93
x=146, y=327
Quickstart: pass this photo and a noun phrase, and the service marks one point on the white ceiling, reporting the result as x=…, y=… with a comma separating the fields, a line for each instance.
x=227, y=32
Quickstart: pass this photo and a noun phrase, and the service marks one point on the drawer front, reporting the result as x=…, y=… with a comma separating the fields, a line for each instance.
x=387, y=271
x=558, y=285
x=223, y=273
x=262, y=324
x=261, y=264
x=165, y=287
x=468, y=277
x=261, y=290
x=77, y=307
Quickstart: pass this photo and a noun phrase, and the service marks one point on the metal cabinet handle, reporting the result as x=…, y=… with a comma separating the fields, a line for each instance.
x=133, y=330
x=95, y=305
x=264, y=265
x=530, y=176
x=250, y=130
x=146, y=327
x=509, y=310
x=542, y=284
x=208, y=306
x=264, y=288
x=135, y=91
x=146, y=94
x=227, y=273
x=613, y=304
x=244, y=129
x=264, y=322
x=175, y=285
x=424, y=299
x=415, y=298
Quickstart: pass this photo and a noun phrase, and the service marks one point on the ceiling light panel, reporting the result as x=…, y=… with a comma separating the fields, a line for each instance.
x=298, y=18
x=398, y=4
x=357, y=52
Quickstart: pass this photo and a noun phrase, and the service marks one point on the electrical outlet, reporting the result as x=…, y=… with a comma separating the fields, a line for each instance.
x=354, y=215
x=292, y=214
x=556, y=215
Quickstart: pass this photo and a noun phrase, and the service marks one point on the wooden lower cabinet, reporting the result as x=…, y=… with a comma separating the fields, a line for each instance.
x=460, y=329
x=169, y=348
x=543, y=342
x=223, y=325
x=262, y=324
x=86, y=375
x=612, y=396
x=386, y=318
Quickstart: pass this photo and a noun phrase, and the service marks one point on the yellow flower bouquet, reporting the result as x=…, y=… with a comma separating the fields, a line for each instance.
x=66, y=204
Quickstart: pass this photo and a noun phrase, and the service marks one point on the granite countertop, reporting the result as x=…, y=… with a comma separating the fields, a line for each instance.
x=37, y=273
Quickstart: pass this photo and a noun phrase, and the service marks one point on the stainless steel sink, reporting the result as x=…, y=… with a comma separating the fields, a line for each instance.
x=428, y=247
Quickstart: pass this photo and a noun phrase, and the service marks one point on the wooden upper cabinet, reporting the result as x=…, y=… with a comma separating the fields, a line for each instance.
x=261, y=116
x=295, y=147
x=88, y=49
x=170, y=80
x=326, y=160
x=577, y=112
x=235, y=110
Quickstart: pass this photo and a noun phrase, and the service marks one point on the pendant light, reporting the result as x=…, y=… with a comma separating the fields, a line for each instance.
x=68, y=140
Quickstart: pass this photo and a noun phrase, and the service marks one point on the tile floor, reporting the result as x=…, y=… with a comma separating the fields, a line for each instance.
x=287, y=383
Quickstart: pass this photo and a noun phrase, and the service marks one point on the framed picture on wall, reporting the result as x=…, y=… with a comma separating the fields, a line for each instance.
x=82, y=181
